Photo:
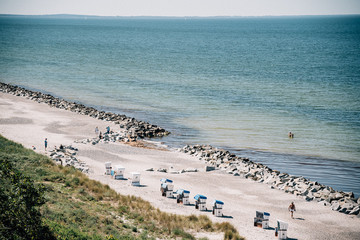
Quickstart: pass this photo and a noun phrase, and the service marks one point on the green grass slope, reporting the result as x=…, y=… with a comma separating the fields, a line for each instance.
x=41, y=200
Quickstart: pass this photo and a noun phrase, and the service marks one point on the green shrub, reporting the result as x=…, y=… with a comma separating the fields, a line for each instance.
x=182, y=233
x=76, y=181
x=20, y=199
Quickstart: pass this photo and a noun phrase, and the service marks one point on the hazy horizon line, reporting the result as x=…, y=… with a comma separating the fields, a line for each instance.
x=185, y=16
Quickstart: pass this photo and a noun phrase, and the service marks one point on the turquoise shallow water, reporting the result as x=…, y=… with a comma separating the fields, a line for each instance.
x=238, y=83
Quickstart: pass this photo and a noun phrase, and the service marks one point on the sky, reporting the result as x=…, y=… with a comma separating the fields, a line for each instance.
x=181, y=7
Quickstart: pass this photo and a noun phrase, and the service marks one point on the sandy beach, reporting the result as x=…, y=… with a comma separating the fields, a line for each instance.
x=29, y=123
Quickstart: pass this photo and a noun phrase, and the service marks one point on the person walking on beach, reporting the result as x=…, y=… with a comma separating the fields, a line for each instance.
x=46, y=143
x=107, y=129
x=292, y=209
x=97, y=131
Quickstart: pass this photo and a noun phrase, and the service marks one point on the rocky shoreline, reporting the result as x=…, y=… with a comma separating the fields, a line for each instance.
x=133, y=128
x=215, y=159
x=220, y=159
x=66, y=156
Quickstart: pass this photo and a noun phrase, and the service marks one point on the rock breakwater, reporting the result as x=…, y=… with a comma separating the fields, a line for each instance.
x=220, y=159
x=133, y=128
x=66, y=156
x=109, y=137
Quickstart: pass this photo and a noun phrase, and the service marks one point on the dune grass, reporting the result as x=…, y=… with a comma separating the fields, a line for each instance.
x=77, y=207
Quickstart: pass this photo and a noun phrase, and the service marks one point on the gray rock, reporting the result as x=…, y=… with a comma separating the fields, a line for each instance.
x=191, y=170
x=334, y=196
x=307, y=198
x=248, y=175
x=349, y=194
x=335, y=206
x=343, y=210
x=355, y=211
x=348, y=206
x=304, y=193
x=209, y=168
x=324, y=203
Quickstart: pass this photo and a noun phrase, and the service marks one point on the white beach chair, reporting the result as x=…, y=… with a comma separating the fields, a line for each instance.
x=119, y=172
x=186, y=197
x=281, y=229
x=135, y=179
x=183, y=196
x=169, y=190
x=262, y=219
x=166, y=187
x=200, y=202
x=108, y=168
x=218, y=208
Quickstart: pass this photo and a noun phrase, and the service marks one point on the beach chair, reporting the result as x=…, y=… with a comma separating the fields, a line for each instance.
x=108, y=168
x=167, y=190
x=200, y=202
x=262, y=219
x=166, y=187
x=135, y=179
x=162, y=181
x=183, y=196
x=218, y=208
x=281, y=229
x=119, y=172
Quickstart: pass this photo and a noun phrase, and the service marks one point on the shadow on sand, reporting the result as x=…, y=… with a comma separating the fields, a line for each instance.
x=122, y=179
x=140, y=185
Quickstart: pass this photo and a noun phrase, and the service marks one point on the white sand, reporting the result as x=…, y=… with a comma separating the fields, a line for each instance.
x=29, y=123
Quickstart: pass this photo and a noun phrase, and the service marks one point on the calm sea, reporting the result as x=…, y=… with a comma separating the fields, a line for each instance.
x=237, y=83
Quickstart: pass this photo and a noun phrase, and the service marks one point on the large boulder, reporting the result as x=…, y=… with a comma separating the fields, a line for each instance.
x=209, y=168
x=355, y=211
x=335, y=206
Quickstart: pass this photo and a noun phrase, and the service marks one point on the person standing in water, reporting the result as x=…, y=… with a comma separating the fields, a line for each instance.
x=291, y=135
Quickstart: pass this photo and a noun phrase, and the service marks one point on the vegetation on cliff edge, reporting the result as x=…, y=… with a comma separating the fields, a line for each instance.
x=41, y=200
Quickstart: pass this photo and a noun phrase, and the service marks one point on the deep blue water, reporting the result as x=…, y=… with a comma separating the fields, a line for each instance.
x=238, y=83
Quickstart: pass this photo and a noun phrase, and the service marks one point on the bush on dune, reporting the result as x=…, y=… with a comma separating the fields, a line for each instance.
x=20, y=199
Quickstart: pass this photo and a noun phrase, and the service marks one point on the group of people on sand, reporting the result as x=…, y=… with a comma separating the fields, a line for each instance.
x=100, y=133
x=97, y=132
